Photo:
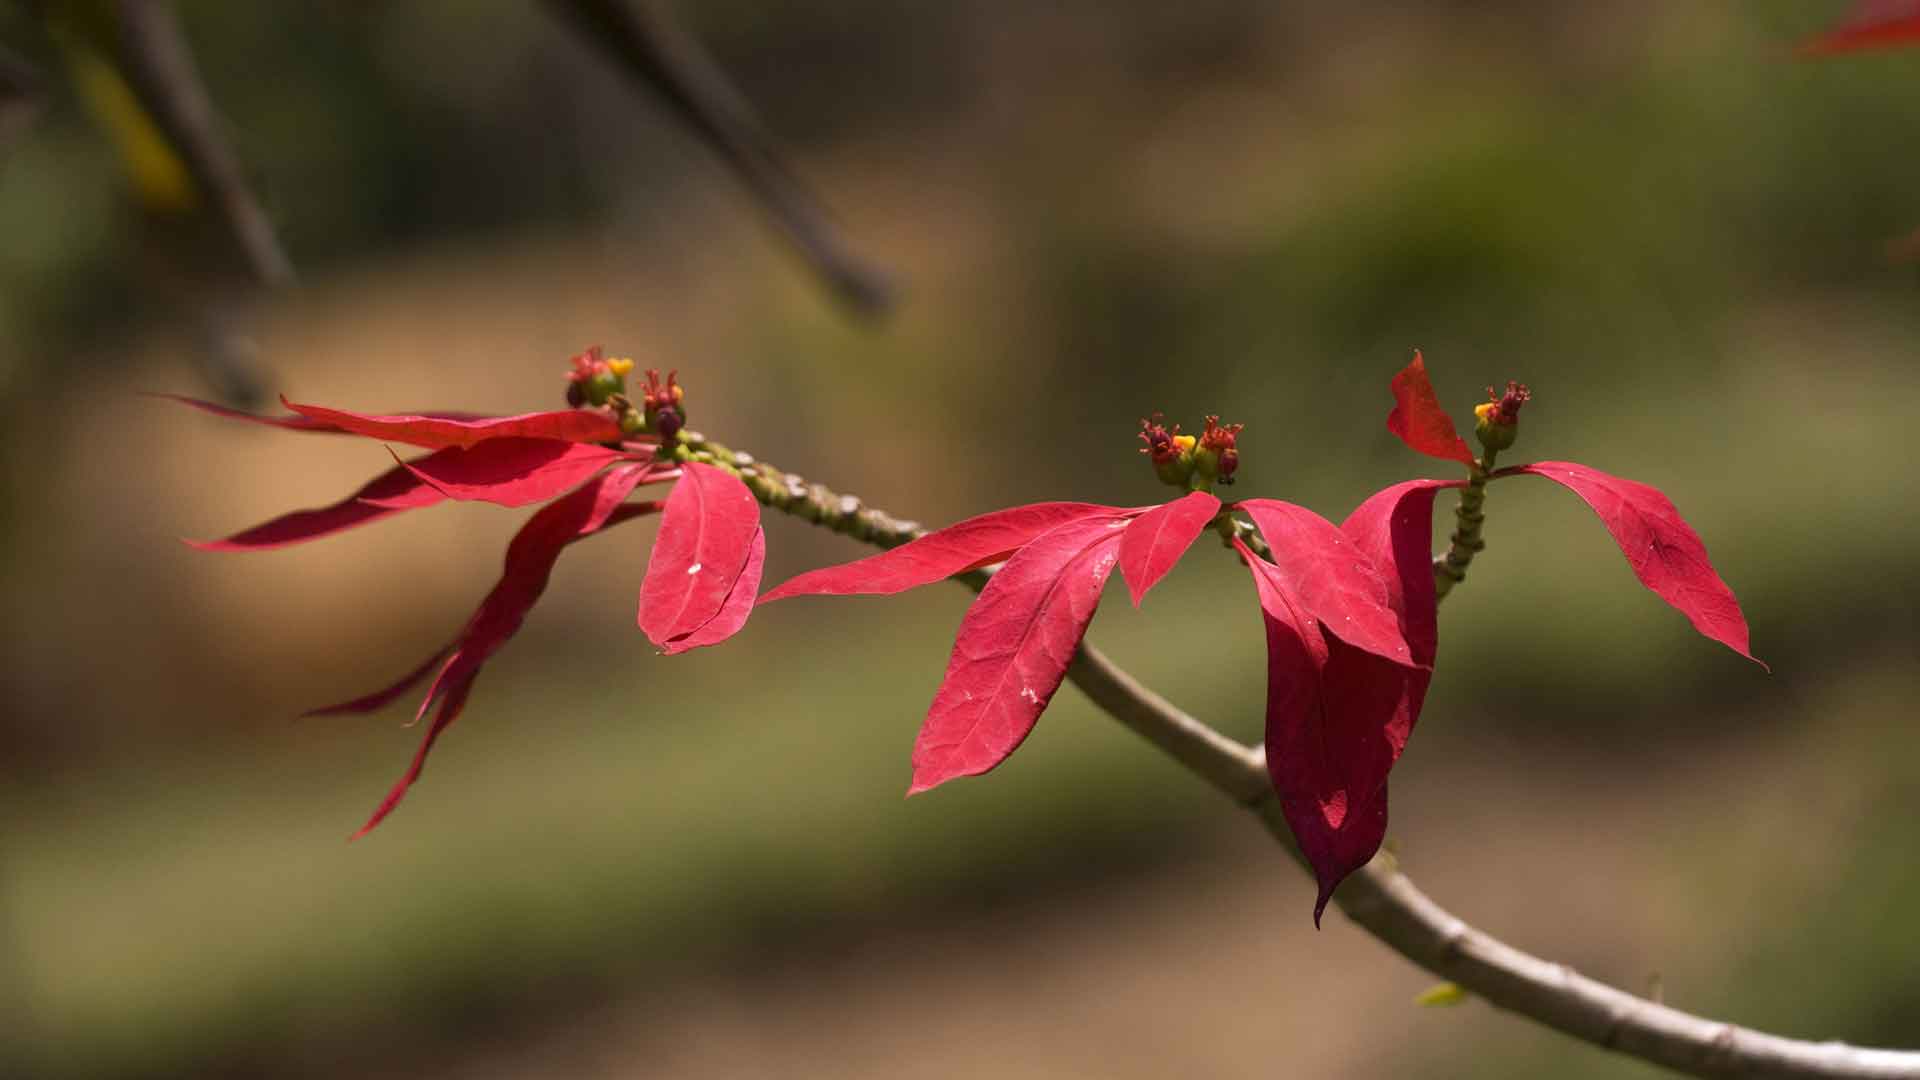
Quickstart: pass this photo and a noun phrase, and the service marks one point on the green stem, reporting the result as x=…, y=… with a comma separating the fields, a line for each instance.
x=1451, y=568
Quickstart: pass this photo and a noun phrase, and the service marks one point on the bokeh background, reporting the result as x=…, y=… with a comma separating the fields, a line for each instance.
x=1687, y=241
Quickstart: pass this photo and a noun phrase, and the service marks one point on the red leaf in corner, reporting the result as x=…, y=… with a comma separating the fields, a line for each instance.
x=436, y=432
x=1013, y=649
x=1663, y=550
x=706, y=537
x=975, y=542
x=1418, y=418
x=1330, y=580
x=1155, y=540
x=1872, y=24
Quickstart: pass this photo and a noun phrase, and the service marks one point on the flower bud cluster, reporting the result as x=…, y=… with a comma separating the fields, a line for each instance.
x=1184, y=461
x=1497, y=422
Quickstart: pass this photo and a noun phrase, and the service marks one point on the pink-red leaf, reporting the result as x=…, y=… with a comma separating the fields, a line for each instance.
x=436, y=432
x=512, y=471
x=529, y=565
x=1331, y=711
x=1663, y=550
x=1418, y=418
x=1394, y=529
x=706, y=536
x=977, y=541
x=739, y=604
x=1329, y=578
x=1013, y=649
x=1872, y=24
x=1155, y=540
x=380, y=699
x=391, y=492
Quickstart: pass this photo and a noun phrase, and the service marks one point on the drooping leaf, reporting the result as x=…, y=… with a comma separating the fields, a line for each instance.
x=1330, y=579
x=385, y=495
x=1663, y=550
x=739, y=603
x=528, y=566
x=975, y=542
x=513, y=471
x=1394, y=529
x=1327, y=749
x=1013, y=648
x=435, y=432
x=1871, y=24
x=1155, y=540
x=706, y=537
x=1418, y=418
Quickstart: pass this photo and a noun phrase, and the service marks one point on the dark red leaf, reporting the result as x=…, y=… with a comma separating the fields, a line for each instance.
x=1663, y=550
x=1872, y=24
x=391, y=492
x=1394, y=529
x=1335, y=726
x=1013, y=649
x=1329, y=578
x=1155, y=540
x=1418, y=418
x=380, y=699
x=975, y=542
x=435, y=433
x=512, y=471
x=705, y=539
x=739, y=604
x=529, y=565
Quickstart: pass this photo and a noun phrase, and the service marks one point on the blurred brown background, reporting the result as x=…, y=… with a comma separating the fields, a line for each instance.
x=621, y=865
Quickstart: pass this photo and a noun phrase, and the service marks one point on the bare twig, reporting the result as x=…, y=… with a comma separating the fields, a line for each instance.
x=158, y=64
x=652, y=48
x=1381, y=899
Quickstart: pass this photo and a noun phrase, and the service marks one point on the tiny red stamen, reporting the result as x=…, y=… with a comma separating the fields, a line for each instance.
x=1506, y=406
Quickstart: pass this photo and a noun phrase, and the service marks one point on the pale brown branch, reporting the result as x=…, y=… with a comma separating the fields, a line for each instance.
x=1379, y=898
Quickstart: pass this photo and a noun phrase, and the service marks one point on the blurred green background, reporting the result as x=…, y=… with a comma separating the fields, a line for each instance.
x=626, y=865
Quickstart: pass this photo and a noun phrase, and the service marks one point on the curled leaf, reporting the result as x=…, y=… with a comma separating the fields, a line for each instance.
x=1329, y=578
x=439, y=432
x=1155, y=540
x=1418, y=418
x=706, y=539
x=1662, y=549
x=1013, y=648
x=735, y=609
x=975, y=542
x=1394, y=529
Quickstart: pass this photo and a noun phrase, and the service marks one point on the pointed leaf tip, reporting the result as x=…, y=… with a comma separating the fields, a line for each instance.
x=1663, y=551
x=1872, y=24
x=1155, y=541
x=1418, y=419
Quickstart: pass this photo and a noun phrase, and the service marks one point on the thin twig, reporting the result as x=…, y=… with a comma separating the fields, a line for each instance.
x=159, y=65
x=651, y=47
x=1381, y=899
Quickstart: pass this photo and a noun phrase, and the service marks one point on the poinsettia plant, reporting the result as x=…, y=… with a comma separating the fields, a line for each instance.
x=1348, y=610
x=583, y=463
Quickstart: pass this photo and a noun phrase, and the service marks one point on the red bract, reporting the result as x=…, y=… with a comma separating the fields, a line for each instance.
x=1872, y=24
x=700, y=581
x=1017, y=639
x=1418, y=418
x=1663, y=550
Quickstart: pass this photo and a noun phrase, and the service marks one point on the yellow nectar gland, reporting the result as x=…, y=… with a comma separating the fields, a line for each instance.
x=1485, y=411
x=1183, y=443
x=621, y=367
